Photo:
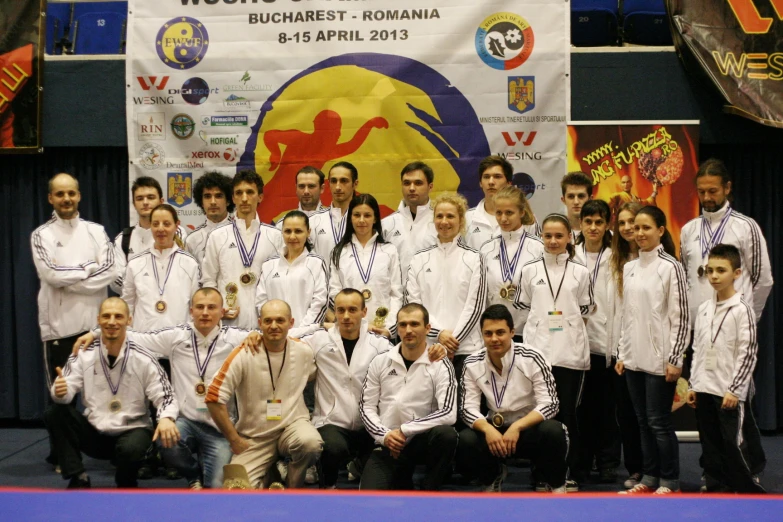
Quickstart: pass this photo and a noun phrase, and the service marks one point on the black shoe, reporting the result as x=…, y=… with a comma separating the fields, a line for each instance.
x=607, y=476
x=172, y=474
x=145, y=473
x=78, y=483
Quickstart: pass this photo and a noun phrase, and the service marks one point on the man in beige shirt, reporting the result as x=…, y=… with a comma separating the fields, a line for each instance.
x=273, y=421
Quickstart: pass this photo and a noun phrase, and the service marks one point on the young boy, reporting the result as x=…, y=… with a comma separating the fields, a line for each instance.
x=577, y=189
x=724, y=356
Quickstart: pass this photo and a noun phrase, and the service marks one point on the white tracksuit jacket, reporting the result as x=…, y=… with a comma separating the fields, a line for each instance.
x=736, y=347
x=309, y=213
x=140, y=289
x=75, y=262
x=744, y=233
x=449, y=281
x=223, y=265
x=602, y=334
x=196, y=242
x=531, y=386
x=532, y=249
x=326, y=229
x=141, y=240
x=480, y=227
x=409, y=235
x=338, y=384
x=144, y=381
x=568, y=347
x=655, y=313
x=414, y=400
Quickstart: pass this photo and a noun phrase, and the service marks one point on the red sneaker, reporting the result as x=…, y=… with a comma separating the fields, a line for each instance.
x=639, y=489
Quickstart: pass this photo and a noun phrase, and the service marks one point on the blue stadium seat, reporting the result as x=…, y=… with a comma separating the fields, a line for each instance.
x=594, y=22
x=58, y=22
x=645, y=22
x=99, y=27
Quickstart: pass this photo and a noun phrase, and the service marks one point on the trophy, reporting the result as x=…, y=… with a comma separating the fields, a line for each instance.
x=231, y=301
x=380, y=317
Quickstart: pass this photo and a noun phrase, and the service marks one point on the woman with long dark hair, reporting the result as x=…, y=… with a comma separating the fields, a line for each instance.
x=362, y=259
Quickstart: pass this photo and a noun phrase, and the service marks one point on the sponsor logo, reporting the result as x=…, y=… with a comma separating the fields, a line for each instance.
x=151, y=156
x=232, y=245
x=150, y=82
x=540, y=282
x=521, y=93
x=180, y=188
x=230, y=155
x=59, y=245
x=151, y=126
x=185, y=165
x=227, y=154
x=396, y=233
x=477, y=229
x=183, y=126
x=393, y=372
x=194, y=91
x=521, y=119
x=236, y=103
x=245, y=85
x=518, y=138
x=504, y=41
x=224, y=121
x=153, y=100
x=520, y=156
x=527, y=184
x=182, y=42
x=322, y=232
x=276, y=276
x=428, y=271
x=219, y=139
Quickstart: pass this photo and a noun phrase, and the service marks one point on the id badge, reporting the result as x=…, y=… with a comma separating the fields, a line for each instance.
x=711, y=360
x=274, y=410
x=201, y=404
x=556, y=321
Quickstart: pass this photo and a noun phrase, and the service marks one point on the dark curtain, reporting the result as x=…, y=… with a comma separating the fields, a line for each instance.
x=758, y=183
x=103, y=180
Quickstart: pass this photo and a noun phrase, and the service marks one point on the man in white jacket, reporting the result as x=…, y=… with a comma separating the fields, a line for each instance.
x=116, y=378
x=309, y=186
x=409, y=406
x=212, y=194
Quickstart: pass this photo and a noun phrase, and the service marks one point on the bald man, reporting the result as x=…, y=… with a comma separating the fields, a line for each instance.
x=116, y=379
x=268, y=387
x=617, y=199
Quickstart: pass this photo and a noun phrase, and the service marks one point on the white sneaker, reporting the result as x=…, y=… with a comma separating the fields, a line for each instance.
x=282, y=468
x=196, y=485
x=311, y=476
x=562, y=490
x=498, y=482
x=571, y=486
x=663, y=490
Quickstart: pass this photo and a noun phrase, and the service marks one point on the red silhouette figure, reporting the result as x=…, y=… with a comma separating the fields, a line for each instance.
x=302, y=149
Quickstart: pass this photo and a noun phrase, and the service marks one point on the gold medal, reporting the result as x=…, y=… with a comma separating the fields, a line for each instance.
x=115, y=405
x=367, y=294
x=160, y=306
x=380, y=317
x=248, y=278
x=497, y=420
x=700, y=271
x=508, y=291
x=201, y=389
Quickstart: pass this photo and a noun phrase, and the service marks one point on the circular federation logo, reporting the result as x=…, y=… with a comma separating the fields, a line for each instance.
x=525, y=183
x=195, y=91
x=182, y=42
x=151, y=156
x=504, y=41
x=183, y=126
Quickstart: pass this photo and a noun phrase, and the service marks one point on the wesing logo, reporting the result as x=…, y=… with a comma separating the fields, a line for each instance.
x=518, y=138
x=148, y=82
x=182, y=42
x=504, y=41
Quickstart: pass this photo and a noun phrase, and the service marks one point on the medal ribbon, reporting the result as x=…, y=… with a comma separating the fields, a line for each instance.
x=709, y=238
x=339, y=232
x=168, y=272
x=365, y=275
x=247, y=257
x=502, y=393
x=202, y=368
x=104, y=364
x=555, y=296
x=508, y=268
x=594, y=276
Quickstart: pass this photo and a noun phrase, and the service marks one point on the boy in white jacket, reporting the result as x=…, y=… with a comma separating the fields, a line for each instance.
x=724, y=356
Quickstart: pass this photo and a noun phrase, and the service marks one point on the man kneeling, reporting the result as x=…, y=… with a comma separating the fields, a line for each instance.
x=116, y=377
x=273, y=418
x=517, y=382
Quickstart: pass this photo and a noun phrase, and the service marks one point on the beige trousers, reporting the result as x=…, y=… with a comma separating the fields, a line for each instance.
x=299, y=440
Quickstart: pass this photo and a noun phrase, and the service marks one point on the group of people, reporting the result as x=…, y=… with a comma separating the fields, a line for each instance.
x=411, y=328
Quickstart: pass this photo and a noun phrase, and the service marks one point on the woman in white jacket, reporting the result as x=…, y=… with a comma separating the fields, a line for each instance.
x=298, y=277
x=555, y=298
x=160, y=281
x=653, y=339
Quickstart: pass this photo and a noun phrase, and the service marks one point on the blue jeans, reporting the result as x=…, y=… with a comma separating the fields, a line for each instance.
x=212, y=448
x=652, y=399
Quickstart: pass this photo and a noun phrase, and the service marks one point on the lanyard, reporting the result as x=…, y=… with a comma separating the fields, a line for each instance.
x=168, y=272
x=555, y=296
x=247, y=257
x=202, y=368
x=365, y=274
x=502, y=393
x=114, y=389
x=269, y=363
x=708, y=238
x=712, y=342
x=508, y=268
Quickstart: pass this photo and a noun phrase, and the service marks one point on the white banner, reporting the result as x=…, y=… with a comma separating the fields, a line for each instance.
x=280, y=84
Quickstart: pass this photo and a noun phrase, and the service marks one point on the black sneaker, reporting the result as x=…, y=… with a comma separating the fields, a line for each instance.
x=172, y=474
x=79, y=483
x=145, y=473
x=607, y=476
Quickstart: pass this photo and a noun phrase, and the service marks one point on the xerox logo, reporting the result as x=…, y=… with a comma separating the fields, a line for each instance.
x=150, y=82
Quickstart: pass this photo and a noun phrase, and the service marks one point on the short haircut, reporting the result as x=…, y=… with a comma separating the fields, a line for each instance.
x=349, y=166
x=311, y=170
x=412, y=307
x=496, y=161
x=497, y=312
x=114, y=299
x=248, y=176
x=714, y=167
x=350, y=291
x=419, y=165
x=273, y=302
x=207, y=290
x=146, y=181
x=212, y=180
x=728, y=252
x=453, y=198
x=577, y=178
x=51, y=180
